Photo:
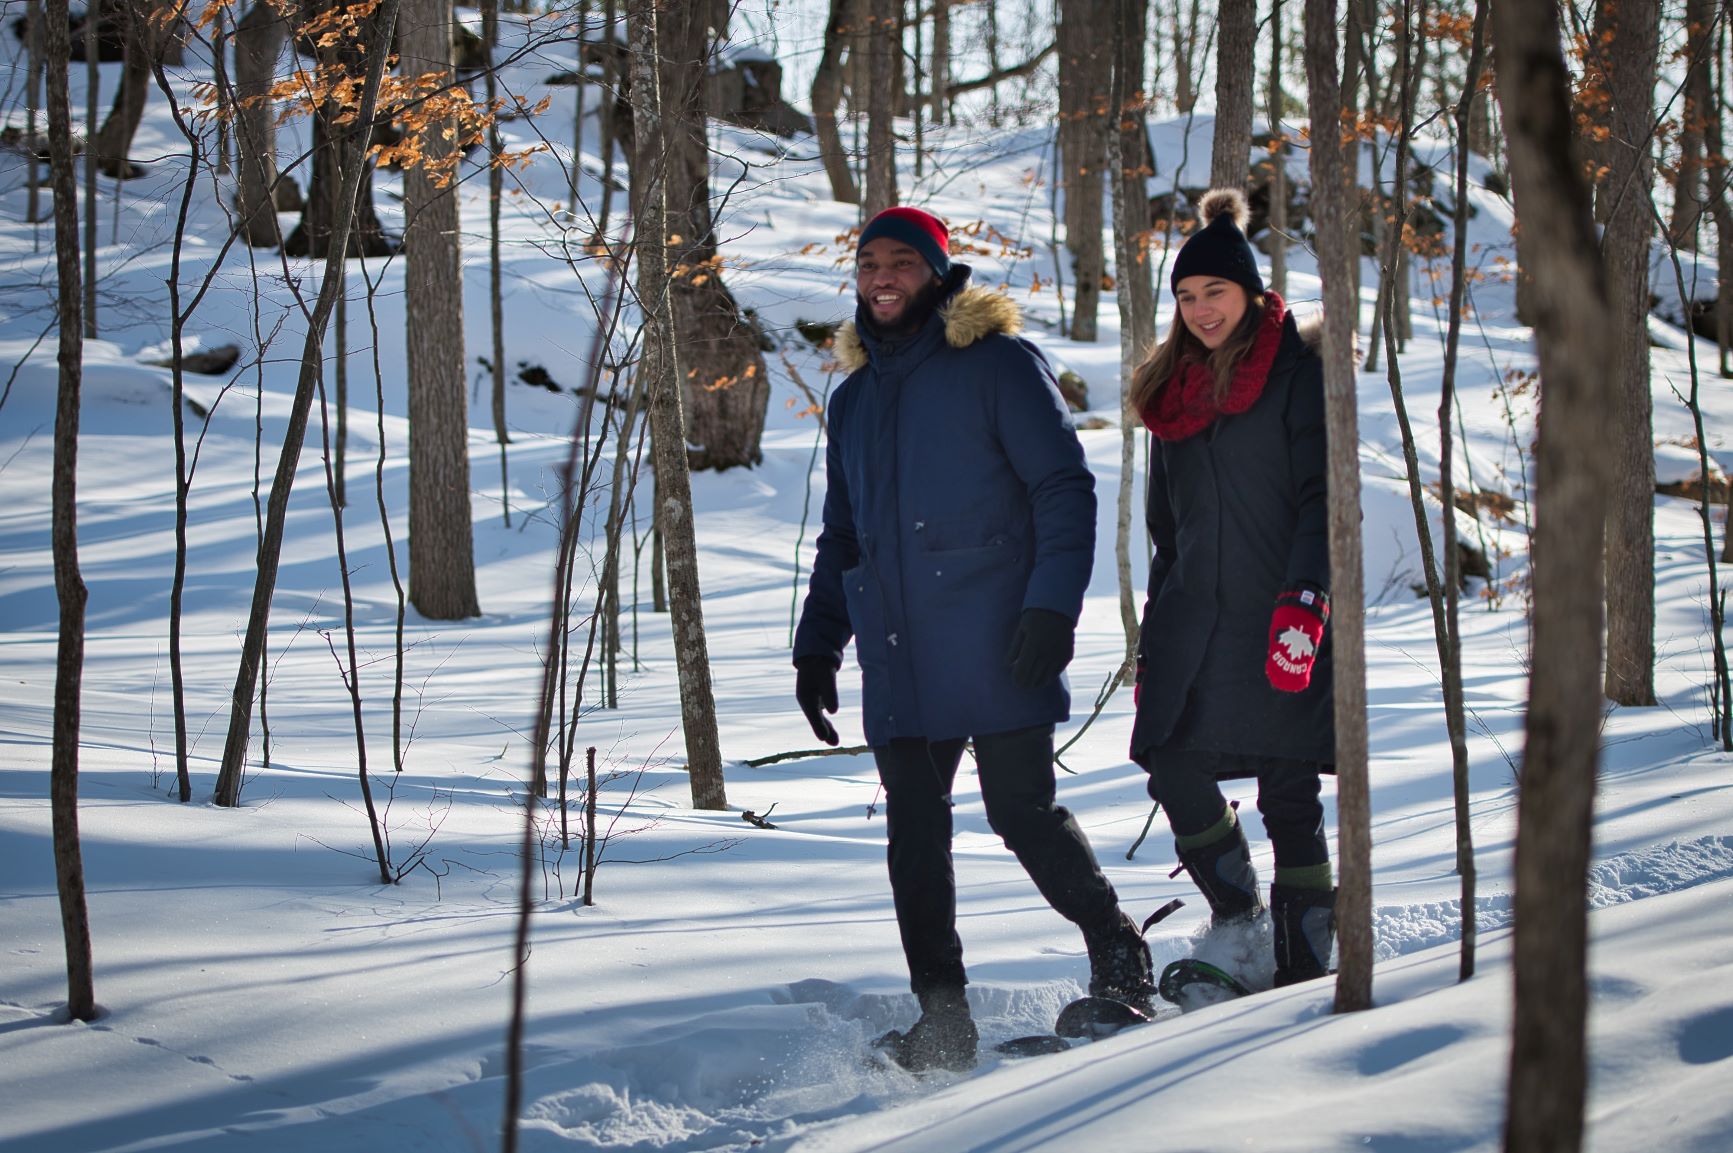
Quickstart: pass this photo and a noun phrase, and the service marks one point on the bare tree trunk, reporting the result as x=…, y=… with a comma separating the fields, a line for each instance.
x=1480, y=130
x=917, y=100
x=1450, y=656
x=884, y=44
x=606, y=119
x=1278, y=160
x=1413, y=76
x=854, y=20
x=1392, y=310
x=350, y=671
x=993, y=61
x=1721, y=695
x=667, y=434
x=1402, y=312
x=618, y=498
x=177, y=400
x=495, y=289
x=1688, y=199
x=726, y=386
x=1575, y=332
x=93, y=87
x=590, y=826
x=1127, y=143
x=32, y=105
x=580, y=85
x=334, y=125
x=826, y=95
x=1383, y=207
x=1598, y=115
x=1236, y=65
x=340, y=369
x=1185, y=44
x=228, y=790
x=259, y=39
x=114, y=138
x=221, y=35
x=1336, y=245
x=1722, y=213
x=1354, y=196
x=1634, y=27
x=441, y=536
x=68, y=583
x=941, y=101
x=1085, y=66
x=658, y=553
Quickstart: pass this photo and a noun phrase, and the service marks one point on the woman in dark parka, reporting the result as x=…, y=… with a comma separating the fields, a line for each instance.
x=1234, y=674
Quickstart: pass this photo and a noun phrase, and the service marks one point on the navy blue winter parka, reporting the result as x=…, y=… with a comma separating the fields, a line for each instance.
x=957, y=496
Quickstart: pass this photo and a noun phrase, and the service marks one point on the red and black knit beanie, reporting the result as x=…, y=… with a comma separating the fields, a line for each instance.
x=921, y=231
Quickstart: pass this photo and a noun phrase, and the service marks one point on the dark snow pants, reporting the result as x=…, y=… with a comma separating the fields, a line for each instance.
x=1017, y=787
x=1184, y=781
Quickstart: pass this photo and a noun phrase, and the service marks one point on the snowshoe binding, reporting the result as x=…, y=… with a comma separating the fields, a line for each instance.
x=1193, y=984
x=1305, y=931
x=1119, y=966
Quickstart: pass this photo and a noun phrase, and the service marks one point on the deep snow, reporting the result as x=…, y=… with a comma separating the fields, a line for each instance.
x=263, y=992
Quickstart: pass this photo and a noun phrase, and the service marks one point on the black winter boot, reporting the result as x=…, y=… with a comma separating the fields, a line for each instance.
x=1305, y=929
x=1223, y=871
x=943, y=1038
x=1119, y=964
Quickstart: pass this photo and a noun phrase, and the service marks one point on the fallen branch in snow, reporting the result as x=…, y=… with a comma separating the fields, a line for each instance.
x=799, y=754
x=1108, y=688
x=1137, y=844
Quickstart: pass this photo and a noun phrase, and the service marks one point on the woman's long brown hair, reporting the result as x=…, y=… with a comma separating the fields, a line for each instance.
x=1181, y=346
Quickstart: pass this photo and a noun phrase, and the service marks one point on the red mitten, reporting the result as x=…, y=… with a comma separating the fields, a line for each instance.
x=1137, y=687
x=1296, y=630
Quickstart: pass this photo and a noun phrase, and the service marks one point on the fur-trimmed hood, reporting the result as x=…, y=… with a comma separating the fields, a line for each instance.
x=972, y=314
x=1311, y=330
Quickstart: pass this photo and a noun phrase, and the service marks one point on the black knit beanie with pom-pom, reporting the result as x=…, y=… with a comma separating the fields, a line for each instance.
x=1220, y=247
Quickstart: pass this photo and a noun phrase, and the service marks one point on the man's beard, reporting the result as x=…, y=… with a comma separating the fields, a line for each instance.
x=914, y=314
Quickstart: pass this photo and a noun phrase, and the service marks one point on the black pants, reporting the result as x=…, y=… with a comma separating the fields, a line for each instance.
x=1184, y=781
x=1017, y=787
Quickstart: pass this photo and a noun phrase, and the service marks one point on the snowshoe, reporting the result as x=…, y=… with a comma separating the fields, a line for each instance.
x=1092, y=1018
x=1085, y=1019
x=1121, y=989
x=1193, y=984
x=1034, y=1045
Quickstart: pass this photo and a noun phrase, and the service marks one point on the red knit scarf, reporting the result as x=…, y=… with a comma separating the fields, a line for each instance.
x=1185, y=405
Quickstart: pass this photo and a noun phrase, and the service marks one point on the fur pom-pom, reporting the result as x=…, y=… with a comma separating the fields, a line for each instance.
x=1229, y=202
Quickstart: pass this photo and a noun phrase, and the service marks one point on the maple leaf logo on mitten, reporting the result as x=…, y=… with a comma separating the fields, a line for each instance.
x=1298, y=644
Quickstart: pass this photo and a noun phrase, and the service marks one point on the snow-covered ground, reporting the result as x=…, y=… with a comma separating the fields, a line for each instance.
x=262, y=991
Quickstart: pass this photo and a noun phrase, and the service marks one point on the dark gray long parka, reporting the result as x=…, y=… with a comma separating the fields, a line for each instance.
x=1238, y=513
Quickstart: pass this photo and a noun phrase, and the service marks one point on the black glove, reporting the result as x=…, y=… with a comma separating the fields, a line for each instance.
x=1042, y=647
x=815, y=689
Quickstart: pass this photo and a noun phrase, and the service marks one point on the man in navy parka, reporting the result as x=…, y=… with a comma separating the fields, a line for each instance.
x=959, y=533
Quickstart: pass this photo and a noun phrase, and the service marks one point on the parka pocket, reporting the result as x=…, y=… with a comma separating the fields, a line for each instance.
x=956, y=536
